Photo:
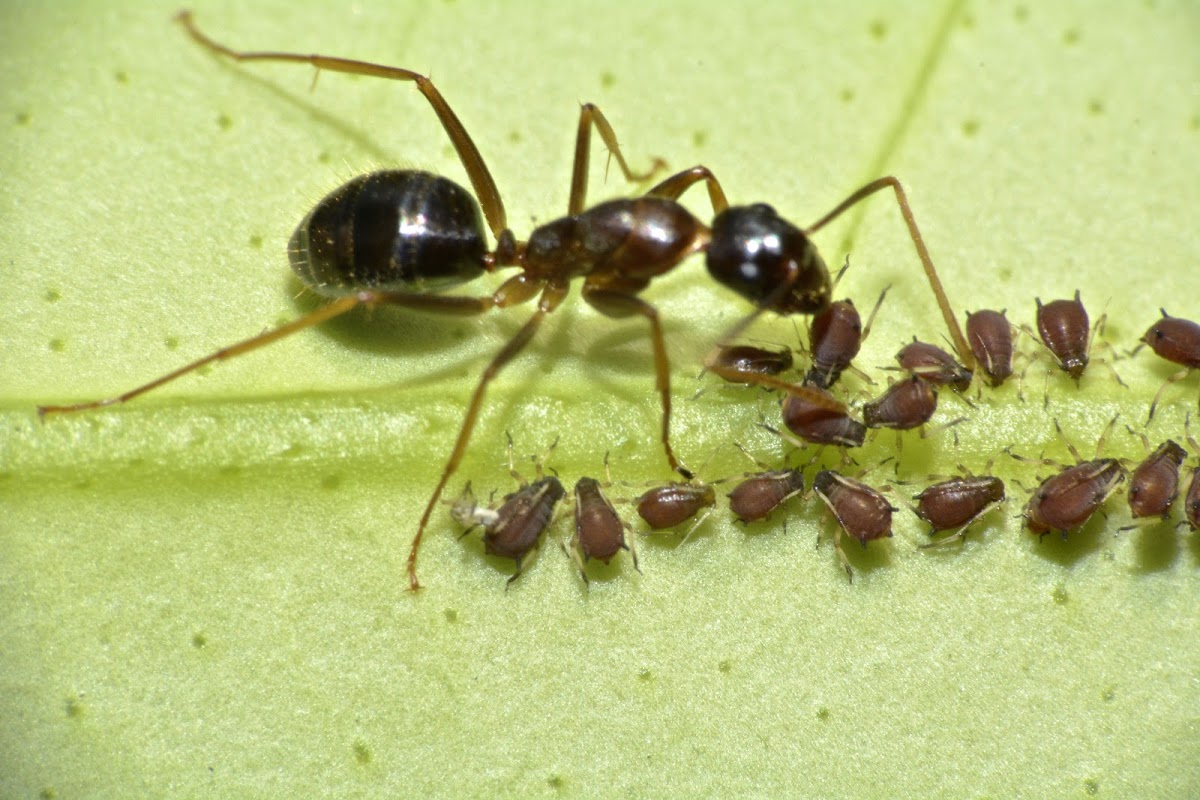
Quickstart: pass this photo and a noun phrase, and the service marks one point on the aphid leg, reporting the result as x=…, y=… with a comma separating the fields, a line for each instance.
x=965, y=355
x=572, y=552
x=699, y=521
x=1178, y=376
x=841, y=554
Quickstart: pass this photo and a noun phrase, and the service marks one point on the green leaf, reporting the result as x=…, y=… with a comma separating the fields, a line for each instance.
x=203, y=590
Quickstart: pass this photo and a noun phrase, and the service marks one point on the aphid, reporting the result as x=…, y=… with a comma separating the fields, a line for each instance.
x=1065, y=330
x=905, y=405
x=1178, y=341
x=398, y=237
x=513, y=529
x=1154, y=484
x=934, y=365
x=1067, y=500
x=818, y=423
x=835, y=337
x=991, y=339
x=743, y=359
x=665, y=507
x=761, y=493
x=1191, y=501
x=956, y=504
x=860, y=511
x=599, y=530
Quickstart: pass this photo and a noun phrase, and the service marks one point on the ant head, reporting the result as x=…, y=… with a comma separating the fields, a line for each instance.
x=768, y=260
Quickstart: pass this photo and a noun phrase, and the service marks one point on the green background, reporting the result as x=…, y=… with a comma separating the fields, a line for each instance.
x=202, y=593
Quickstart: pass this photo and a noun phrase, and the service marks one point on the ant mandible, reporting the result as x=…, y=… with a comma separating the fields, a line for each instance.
x=395, y=237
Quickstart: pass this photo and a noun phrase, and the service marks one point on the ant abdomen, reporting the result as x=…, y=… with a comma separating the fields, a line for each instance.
x=755, y=252
x=393, y=230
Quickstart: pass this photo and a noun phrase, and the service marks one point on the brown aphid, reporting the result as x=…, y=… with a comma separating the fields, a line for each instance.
x=819, y=424
x=835, y=337
x=665, y=507
x=1178, y=341
x=743, y=359
x=599, y=531
x=758, y=495
x=1191, y=502
x=513, y=529
x=956, y=503
x=1066, y=331
x=905, y=405
x=990, y=336
x=860, y=511
x=1154, y=484
x=934, y=365
x=1067, y=500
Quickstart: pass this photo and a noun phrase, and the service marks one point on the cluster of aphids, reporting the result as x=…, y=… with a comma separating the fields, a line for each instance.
x=1063, y=502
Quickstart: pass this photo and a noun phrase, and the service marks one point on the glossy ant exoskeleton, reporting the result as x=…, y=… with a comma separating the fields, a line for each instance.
x=397, y=237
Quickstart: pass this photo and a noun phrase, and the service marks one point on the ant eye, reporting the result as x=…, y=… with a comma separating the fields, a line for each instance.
x=754, y=251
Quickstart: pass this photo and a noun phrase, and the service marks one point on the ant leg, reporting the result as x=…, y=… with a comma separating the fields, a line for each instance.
x=960, y=342
x=618, y=304
x=551, y=297
x=712, y=361
x=590, y=115
x=468, y=153
x=680, y=182
x=450, y=305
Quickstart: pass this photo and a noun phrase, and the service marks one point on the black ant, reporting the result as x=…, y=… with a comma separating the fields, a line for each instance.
x=397, y=237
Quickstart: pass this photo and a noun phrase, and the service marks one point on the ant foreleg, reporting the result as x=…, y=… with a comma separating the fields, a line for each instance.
x=618, y=304
x=960, y=342
x=673, y=187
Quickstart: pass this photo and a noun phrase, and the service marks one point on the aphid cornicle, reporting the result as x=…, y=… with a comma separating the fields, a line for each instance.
x=396, y=237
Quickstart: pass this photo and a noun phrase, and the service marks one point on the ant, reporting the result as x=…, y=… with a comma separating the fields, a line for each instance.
x=398, y=237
